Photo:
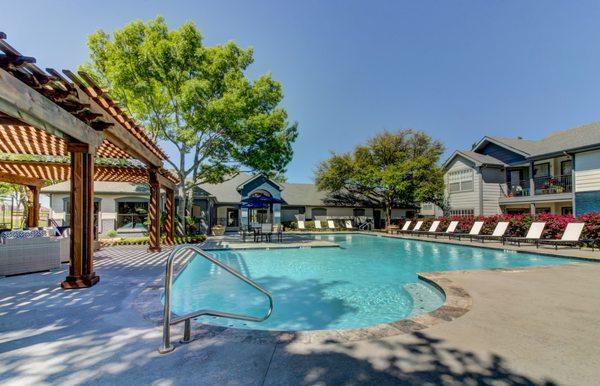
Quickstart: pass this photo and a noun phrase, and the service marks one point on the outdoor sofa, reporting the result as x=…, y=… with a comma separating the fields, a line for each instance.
x=29, y=251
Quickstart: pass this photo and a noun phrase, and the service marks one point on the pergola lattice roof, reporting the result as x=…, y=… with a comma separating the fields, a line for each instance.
x=30, y=140
x=81, y=97
x=54, y=171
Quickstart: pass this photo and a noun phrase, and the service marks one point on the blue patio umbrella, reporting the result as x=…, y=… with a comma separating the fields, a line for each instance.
x=260, y=201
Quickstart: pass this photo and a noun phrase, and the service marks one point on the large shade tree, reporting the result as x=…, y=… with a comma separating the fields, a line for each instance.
x=196, y=98
x=392, y=170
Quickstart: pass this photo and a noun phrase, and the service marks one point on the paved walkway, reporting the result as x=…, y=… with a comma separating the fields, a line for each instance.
x=531, y=326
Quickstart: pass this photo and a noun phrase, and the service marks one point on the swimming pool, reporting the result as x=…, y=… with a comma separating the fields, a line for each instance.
x=368, y=280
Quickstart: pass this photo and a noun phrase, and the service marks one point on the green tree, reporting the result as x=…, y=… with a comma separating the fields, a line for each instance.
x=19, y=194
x=391, y=170
x=196, y=98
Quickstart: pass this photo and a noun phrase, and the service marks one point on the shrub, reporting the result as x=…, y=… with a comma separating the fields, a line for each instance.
x=592, y=225
x=290, y=224
x=112, y=233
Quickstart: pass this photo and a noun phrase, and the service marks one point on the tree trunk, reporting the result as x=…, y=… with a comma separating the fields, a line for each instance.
x=182, y=195
x=388, y=214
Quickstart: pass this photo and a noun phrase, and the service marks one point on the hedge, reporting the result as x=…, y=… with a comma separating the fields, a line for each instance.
x=144, y=240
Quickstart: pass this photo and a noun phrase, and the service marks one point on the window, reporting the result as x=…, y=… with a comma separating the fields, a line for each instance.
x=541, y=170
x=321, y=212
x=566, y=168
x=358, y=212
x=566, y=210
x=460, y=181
x=542, y=210
x=462, y=212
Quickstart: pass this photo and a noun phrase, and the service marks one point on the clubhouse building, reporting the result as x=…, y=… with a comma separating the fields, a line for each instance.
x=122, y=207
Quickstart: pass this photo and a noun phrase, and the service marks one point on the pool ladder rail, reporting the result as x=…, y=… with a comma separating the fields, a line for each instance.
x=168, y=321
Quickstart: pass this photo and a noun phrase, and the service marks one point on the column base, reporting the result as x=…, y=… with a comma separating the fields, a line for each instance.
x=73, y=282
x=154, y=249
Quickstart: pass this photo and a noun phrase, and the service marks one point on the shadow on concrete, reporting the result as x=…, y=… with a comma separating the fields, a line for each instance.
x=421, y=360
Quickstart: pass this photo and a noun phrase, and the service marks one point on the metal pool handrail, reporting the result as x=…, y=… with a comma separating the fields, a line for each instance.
x=167, y=321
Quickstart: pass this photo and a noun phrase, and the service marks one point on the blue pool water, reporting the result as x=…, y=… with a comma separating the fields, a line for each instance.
x=367, y=281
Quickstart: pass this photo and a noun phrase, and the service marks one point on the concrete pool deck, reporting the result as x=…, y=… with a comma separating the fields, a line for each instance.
x=526, y=326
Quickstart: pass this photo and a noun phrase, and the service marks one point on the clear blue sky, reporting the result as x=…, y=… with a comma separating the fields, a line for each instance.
x=350, y=69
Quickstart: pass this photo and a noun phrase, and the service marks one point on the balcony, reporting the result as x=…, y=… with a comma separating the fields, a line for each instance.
x=518, y=189
x=539, y=189
x=553, y=185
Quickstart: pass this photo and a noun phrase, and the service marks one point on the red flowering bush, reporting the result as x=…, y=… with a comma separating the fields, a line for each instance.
x=555, y=224
x=592, y=225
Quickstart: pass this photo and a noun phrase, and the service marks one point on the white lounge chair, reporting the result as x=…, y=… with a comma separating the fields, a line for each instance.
x=349, y=224
x=405, y=227
x=475, y=230
x=533, y=235
x=416, y=228
x=318, y=224
x=571, y=237
x=330, y=224
x=498, y=233
x=432, y=229
x=451, y=229
x=301, y=225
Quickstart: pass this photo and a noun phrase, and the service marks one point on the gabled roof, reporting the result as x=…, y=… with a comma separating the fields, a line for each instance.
x=477, y=158
x=518, y=145
x=571, y=140
x=293, y=194
x=576, y=138
x=252, y=178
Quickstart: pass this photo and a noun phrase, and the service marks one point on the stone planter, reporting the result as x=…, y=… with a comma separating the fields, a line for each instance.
x=218, y=230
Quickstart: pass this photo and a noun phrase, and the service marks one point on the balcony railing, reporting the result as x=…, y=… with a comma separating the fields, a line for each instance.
x=553, y=184
x=541, y=186
x=519, y=188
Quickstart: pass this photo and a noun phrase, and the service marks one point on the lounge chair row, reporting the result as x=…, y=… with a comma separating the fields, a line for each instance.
x=330, y=225
x=570, y=237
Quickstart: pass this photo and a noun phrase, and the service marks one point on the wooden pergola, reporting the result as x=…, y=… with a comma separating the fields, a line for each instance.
x=75, y=132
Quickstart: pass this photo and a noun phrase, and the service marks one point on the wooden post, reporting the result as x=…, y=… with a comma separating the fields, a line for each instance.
x=81, y=264
x=33, y=206
x=169, y=216
x=154, y=212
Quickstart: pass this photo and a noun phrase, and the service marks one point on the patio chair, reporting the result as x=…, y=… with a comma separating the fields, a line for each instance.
x=498, y=233
x=475, y=230
x=571, y=237
x=532, y=237
x=266, y=230
x=432, y=229
x=330, y=224
x=278, y=231
x=417, y=228
x=348, y=224
x=405, y=226
x=246, y=230
x=451, y=229
x=301, y=225
x=318, y=224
